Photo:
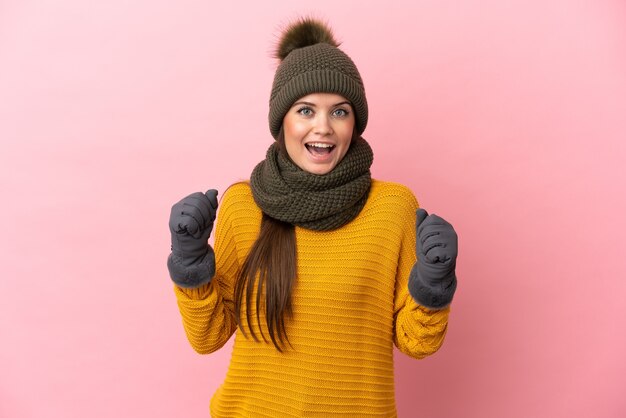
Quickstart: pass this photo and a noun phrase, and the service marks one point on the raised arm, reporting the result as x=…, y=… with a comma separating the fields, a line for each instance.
x=203, y=286
x=419, y=327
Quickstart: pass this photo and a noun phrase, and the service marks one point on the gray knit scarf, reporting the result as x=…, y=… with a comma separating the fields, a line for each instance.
x=319, y=202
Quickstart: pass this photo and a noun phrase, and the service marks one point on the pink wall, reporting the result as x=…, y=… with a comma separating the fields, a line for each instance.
x=505, y=117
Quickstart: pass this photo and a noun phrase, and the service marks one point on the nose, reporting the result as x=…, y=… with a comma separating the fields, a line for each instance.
x=323, y=125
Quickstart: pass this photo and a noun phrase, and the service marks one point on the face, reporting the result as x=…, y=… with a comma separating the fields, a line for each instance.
x=318, y=130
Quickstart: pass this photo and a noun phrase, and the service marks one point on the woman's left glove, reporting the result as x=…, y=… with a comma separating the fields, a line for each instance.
x=432, y=281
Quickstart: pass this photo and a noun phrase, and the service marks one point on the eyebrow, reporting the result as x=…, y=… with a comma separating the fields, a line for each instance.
x=313, y=104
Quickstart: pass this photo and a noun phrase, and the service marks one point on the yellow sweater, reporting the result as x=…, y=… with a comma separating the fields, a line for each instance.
x=350, y=302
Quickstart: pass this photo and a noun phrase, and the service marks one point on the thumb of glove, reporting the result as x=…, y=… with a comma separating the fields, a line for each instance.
x=421, y=215
x=212, y=196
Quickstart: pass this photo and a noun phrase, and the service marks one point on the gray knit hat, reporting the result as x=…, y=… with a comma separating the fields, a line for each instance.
x=311, y=62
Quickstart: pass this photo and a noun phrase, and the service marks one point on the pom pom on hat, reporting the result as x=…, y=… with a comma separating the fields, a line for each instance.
x=304, y=32
x=311, y=62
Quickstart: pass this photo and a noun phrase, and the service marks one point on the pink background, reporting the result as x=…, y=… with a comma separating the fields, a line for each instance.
x=507, y=118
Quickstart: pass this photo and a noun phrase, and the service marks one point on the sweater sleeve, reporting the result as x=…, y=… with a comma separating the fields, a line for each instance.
x=208, y=311
x=418, y=331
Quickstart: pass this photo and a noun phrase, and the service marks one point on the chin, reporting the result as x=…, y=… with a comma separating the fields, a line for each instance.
x=320, y=170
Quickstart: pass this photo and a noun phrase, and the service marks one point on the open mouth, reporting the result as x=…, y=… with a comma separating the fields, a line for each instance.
x=320, y=149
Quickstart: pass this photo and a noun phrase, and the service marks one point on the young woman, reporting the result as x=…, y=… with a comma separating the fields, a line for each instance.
x=318, y=269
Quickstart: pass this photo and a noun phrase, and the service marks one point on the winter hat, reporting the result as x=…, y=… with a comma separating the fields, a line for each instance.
x=311, y=62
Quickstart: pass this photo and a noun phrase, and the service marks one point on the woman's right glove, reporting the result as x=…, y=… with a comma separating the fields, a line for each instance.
x=192, y=261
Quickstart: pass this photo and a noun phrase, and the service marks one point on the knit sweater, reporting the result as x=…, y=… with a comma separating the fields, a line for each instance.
x=351, y=305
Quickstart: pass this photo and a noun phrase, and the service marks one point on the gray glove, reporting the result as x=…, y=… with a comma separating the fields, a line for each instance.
x=432, y=281
x=192, y=261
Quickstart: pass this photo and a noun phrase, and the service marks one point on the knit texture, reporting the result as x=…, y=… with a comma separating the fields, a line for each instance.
x=351, y=306
x=320, y=202
x=314, y=69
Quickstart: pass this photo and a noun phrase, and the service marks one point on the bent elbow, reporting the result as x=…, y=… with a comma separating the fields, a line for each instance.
x=202, y=349
x=421, y=347
x=208, y=345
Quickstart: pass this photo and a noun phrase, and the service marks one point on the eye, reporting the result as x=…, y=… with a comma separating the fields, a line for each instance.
x=305, y=111
x=340, y=113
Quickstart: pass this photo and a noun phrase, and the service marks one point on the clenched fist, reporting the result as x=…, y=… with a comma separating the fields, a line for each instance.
x=192, y=261
x=432, y=281
x=437, y=242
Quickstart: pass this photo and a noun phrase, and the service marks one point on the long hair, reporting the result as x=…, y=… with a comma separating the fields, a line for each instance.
x=274, y=256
